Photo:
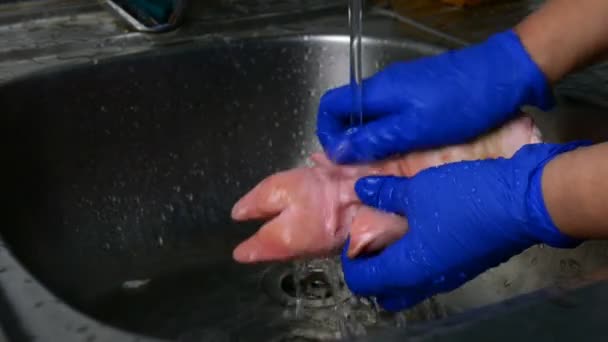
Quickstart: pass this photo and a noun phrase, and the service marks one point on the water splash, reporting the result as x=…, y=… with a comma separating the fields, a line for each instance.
x=355, y=16
x=344, y=315
x=299, y=273
x=346, y=318
x=400, y=320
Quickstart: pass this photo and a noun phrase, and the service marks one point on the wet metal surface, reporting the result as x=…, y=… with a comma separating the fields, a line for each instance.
x=128, y=170
x=123, y=171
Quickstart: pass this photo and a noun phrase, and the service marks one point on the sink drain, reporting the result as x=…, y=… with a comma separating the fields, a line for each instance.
x=315, y=285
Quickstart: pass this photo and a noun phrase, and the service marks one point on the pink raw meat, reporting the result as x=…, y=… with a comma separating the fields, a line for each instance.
x=312, y=210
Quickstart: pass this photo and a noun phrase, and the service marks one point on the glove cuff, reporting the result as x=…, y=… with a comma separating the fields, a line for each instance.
x=544, y=229
x=536, y=90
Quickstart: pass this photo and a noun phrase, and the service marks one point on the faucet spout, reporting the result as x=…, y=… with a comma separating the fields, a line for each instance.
x=153, y=16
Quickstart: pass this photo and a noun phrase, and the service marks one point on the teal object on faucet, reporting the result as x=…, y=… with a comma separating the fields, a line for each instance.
x=159, y=10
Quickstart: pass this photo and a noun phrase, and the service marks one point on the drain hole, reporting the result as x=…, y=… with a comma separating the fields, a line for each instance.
x=288, y=285
x=314, y=286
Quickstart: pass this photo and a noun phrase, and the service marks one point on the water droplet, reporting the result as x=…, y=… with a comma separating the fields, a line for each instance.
x=474, y=190
x=135, y=284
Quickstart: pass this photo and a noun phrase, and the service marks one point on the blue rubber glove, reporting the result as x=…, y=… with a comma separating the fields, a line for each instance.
x=464, y=218
x=433, y=101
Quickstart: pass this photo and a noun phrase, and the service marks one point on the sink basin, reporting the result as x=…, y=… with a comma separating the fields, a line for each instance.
x=121, y=175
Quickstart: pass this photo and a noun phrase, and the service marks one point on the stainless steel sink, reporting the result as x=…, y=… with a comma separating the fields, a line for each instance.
x=120, y=176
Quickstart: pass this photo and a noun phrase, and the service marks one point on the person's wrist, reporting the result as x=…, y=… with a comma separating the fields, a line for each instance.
x=539, y=221
x=535, y=86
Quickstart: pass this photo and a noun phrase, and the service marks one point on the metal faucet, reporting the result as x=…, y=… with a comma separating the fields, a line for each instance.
x=153, y=16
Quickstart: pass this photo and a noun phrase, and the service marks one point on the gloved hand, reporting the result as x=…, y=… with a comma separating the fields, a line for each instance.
x=433, y=101
x=464, y=218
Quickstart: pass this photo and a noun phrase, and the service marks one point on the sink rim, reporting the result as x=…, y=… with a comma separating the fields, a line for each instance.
x=191, y=43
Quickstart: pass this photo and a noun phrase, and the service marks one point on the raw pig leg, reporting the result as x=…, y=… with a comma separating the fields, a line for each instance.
x=312, y=210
